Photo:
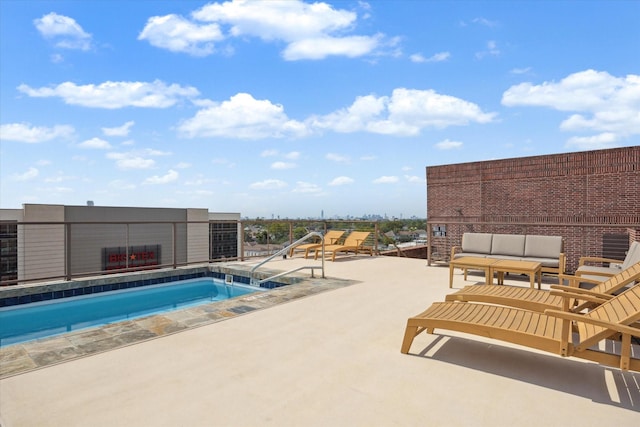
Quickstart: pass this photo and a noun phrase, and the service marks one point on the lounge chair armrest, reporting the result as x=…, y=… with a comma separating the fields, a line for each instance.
x=575, y=280
x=578, y=291
x=623, y=329
x=454, y=250
x=595, y=273
x=597, y=259
x=598, y=299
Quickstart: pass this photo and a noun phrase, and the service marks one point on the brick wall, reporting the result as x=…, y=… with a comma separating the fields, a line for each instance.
x=579, y=196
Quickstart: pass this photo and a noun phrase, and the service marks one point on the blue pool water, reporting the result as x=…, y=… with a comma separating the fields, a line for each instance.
x=37, y=320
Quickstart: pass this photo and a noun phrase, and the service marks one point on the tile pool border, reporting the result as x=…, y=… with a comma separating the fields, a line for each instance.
x=30, y=293
x=21, y=358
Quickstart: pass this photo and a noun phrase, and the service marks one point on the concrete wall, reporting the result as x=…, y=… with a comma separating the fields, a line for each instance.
x=198, y=235
x=88, y=240
x=575, y=195
x=85, y=231
x=45, y=242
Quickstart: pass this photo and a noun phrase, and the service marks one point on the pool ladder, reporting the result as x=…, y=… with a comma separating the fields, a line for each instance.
x=255, y=282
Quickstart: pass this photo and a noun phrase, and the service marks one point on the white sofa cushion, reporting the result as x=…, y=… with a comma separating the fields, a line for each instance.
x=508, y=244
x=543, y=247
x=478, y=243
x=633, y=256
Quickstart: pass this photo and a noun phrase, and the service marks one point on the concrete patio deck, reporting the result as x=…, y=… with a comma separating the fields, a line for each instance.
x=330, y=359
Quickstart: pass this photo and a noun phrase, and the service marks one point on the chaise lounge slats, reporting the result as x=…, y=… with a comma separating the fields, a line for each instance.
x=354, y=242
x=614, y=321
x=541, y=300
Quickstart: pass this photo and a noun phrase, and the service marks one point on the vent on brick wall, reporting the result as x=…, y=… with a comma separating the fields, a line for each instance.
x=615, y=246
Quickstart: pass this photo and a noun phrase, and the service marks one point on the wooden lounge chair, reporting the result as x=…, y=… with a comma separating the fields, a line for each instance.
x=352, y=243
x=331, y=237
x=540, y=300
x=551, y=331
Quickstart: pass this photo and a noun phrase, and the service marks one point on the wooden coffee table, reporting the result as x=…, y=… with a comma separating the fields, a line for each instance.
x=502, y=266
x=473, y=263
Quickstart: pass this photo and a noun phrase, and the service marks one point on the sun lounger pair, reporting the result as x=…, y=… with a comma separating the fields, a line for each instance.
x=331, y=237
x=354, y=242
x=556, y=330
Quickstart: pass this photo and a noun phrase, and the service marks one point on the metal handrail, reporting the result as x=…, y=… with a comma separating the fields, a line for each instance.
x=283, y=251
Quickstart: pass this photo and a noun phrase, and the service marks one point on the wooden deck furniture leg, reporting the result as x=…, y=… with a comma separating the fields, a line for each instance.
x=451, y=268
x=409, y=334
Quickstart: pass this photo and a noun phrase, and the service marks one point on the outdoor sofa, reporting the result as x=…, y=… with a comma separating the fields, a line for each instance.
x=547, y=250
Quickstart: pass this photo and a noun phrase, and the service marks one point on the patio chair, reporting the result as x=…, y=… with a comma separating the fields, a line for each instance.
x=541, y=300
x=352, y=243
x=551, y=331
x=586, y=269
x=331, y=237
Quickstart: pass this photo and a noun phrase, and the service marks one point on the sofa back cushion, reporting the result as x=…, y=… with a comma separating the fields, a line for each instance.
x=633, y=255
x=479, y=243
x=543, y=246
x=507, y=244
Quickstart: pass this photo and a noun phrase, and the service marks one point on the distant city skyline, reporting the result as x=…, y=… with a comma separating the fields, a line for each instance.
x=296, y=109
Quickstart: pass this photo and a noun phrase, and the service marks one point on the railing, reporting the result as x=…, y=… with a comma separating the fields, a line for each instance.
x=66, y=250
x=283, y=251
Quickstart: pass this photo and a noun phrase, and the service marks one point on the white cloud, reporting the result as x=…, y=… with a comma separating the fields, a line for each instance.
x=491, y=50
x=485, y=22
x=525, y=70
x=121, y=184
x=59, y=177
x=595, y=142
x=604, y=104
x=243, y=117
x=306, y=187
x=25, y=132
x=64, y=31
x=364, y=110
x=131, y=161
x=177, y=34
x=415, y=179
x=321, y=47
x=293, y=155
x=341, y=180
x=448, y=145
x=95, y=143
x=438, y=57
x=170, y=176
x=183, y=165
x=337, y=158
x=268, y=153
x=268, y=184
x=30, y=174
x=112, y=95
x=406, y=113
x=386, y=180
x=283, y=165
x=222, y=161
x=119, y=130
x=309, y=31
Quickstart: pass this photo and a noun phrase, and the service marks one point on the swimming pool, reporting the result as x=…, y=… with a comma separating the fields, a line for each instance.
x=37, y=320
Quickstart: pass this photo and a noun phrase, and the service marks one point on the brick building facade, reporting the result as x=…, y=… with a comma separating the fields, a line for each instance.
x=590, y=198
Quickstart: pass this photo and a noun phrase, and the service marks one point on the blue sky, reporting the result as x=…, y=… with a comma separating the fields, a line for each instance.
x=289, y=109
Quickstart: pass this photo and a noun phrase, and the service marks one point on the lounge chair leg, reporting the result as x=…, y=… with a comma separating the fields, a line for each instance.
x=625, y=352
x=409, y=334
